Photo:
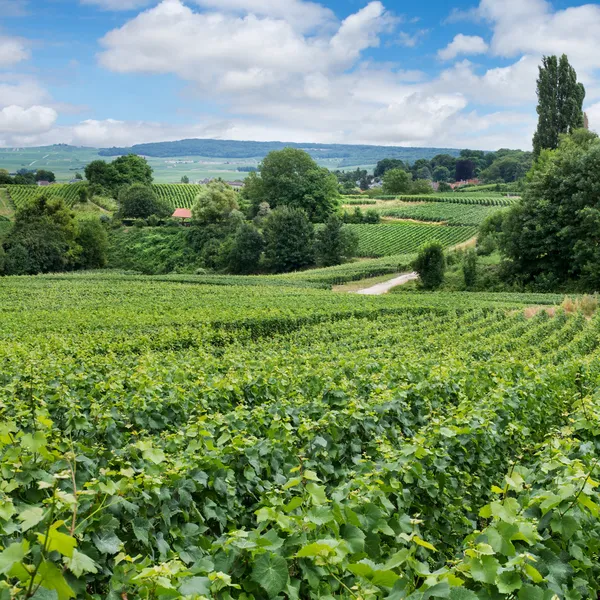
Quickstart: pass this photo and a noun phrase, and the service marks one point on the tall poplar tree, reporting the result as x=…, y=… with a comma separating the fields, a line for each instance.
x=560, y=102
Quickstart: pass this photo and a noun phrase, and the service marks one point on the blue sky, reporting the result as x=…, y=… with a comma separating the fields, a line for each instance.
x=118, y=72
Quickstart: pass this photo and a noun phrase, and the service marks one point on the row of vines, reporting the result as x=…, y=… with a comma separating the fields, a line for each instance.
x=424, y=453
x=405, y=238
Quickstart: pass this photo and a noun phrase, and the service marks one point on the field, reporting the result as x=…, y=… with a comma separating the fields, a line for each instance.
x=432, y=212
x=405, y=238
x=175, y=195
x=456, y=198
x=171, y=439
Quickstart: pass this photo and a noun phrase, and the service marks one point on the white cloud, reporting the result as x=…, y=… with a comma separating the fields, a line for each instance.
x=533, y=27
x=303, y=16
x=12, y=51
x=203, y=46
x=512, y=85
x=117, y=4
x=21, y=92
x=36, y=119
x=463, y=44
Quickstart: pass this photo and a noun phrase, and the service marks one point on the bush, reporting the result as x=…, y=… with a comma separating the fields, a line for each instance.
x=335, y=243
x=469, y=268
x=138, y=201
x=430, y=264
x=215, y=204
x=247, y=248
x=93, y=239
x=288, y=240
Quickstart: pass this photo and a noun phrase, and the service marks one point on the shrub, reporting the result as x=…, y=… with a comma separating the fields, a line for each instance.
x=93, y=239
x=138, y=201
x=469, y=268
x=246, y=250
x=430, y=264
x=335, y=243
x=288, y=240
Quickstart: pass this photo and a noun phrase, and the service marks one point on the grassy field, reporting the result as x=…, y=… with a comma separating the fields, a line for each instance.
x=65, y=162
x=165, y=438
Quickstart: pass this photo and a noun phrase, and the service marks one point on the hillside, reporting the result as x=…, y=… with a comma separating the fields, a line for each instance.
x=351, y=154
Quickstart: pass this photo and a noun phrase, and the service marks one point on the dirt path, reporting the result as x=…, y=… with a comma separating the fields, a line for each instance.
x=384, y=287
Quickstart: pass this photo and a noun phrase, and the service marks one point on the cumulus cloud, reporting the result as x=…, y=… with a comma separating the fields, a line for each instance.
x=533, y=27
x=21, y=92
x=463, y=44
x=12, y=51
x=36, y=119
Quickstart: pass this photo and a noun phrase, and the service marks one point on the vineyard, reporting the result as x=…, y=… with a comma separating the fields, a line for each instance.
x=177, y=440
x=21, y=194
x=482, y=199
x=174, y=194
x=177, y=195
x=405, y=238
x=453, y=214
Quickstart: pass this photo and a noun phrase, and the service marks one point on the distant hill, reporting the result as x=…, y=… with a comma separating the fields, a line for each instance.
x=349, y=154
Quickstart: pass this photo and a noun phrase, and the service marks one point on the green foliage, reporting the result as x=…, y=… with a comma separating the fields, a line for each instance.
x=335, y=243
x=288, y=237
x=124, y=171
x=560, y=103
x=551, y=237
x=152, y=250
x=246, y=250
x=397, y=181
x=387, y=164
x=93, y=240
x=469, y=268
x=167, y=439
x=292, y=178
x=214, y=204
x=421, y=186
x=442, y=212
x=138, y=201
x=42, y=239
x=430, y=264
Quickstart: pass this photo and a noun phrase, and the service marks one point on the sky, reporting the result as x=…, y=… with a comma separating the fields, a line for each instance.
x=458, y=74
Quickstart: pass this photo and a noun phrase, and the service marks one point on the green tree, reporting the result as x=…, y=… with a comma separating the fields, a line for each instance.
x=289, y=237
x=139, y=201
x=44, y=175
x=93, y=240
x=133, y=169
x=292, y=178
x=553, y=234
x=43, y=238
x=124, y=171
x=441, y=174
x=421, y=186
x=335, y=243
x=560, y=102
x=246, y=250
x=430, y=264
x=387, y=164
x=185, y=179
x=103, y=175
x=397, y=181
x=469, y=268
x=214, y=204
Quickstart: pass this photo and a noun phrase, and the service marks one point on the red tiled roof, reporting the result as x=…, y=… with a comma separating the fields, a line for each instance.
x=183, y=213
